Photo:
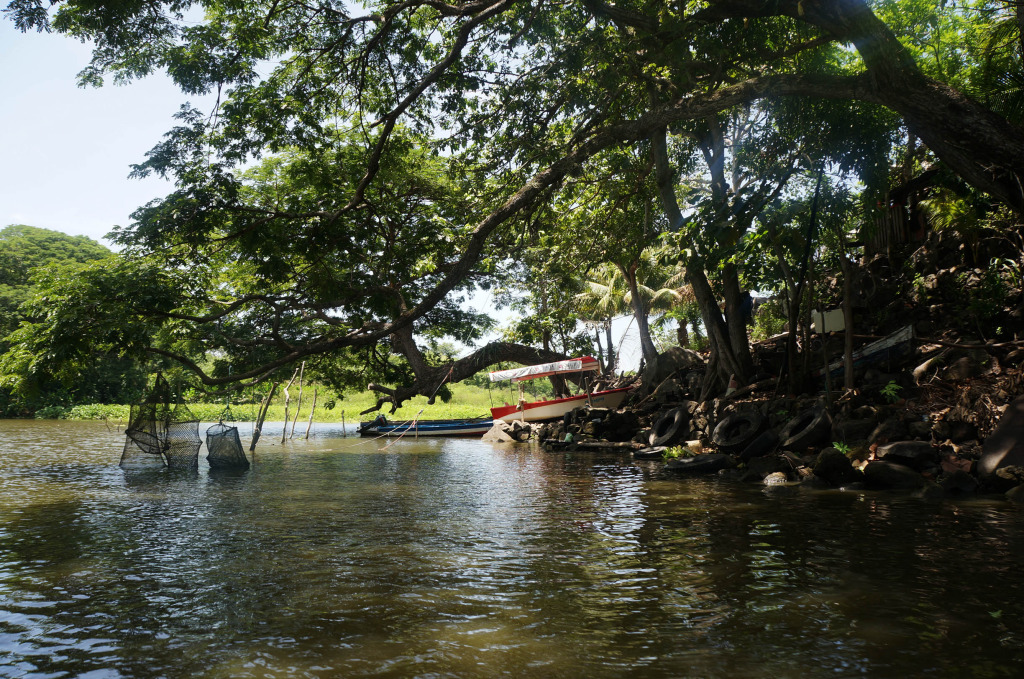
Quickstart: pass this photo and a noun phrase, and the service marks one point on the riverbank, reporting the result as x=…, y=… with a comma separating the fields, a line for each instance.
x=467, y=401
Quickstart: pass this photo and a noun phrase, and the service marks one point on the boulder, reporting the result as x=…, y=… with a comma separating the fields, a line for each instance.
x=962, y=369
x=853, y=429
x=958, y=482
x=880, y=474
x=778, y=484
x=669, y=390
x=917, y=455
x=699, y=464
x=674, y=360
x=1005, y=447
x=930, y=491
x=892, y=429
x=962, y=431
x=835, y=468
x=1015, y=494
x=1006, y=478
x=920, y=429
x=760, y=467
x=499, y=433
x=619, y=426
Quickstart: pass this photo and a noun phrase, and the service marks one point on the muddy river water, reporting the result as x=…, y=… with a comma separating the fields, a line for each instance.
x=340, y=557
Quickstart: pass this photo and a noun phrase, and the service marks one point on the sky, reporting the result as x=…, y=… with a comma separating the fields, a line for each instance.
x=66, y=152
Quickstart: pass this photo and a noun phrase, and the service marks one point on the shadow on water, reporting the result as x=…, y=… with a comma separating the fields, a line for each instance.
x=341, y=557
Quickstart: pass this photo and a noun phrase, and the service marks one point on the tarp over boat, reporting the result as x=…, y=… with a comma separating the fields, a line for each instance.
x=532, y=372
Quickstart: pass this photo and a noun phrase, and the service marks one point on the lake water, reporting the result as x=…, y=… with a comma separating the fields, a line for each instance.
x=338, y=557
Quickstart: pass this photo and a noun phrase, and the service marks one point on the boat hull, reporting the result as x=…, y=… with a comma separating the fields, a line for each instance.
x=549, y=410
x=477, y=427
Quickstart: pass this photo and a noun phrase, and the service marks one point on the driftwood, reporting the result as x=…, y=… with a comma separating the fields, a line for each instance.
x=743, y=391
x=596, y=445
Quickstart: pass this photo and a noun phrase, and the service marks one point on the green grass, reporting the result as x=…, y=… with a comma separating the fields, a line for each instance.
x=467, y=401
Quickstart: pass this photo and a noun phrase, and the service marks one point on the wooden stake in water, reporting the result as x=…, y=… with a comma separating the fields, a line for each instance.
x=311, y=412
x=343, y=432
x=258, y=427
x=298, y=406
x=287, y=398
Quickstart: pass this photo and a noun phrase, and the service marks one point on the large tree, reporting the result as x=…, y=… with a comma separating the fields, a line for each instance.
x=30, y=258
x=518, y=95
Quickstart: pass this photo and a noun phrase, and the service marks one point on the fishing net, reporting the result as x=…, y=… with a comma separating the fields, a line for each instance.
x=225, y=448
x=135, y=456
x=160, y=434
x=182, y=442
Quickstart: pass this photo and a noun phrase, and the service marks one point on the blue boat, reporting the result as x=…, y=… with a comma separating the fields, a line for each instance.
x=381, y=427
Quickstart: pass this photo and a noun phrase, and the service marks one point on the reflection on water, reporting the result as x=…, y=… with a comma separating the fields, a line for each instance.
x=334, y=557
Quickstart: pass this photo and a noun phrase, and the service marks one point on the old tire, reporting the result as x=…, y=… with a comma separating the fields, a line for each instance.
x=737, y=430
x=810, y=428
x=760, y=446
x=655, y=453
x=671, y=428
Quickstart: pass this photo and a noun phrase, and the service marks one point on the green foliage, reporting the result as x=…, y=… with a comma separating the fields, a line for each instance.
x=988, y=297
x=23, y=250
x=361, y=173
x=842, y=447
x=769, y=320
x=891, y=391
x=33, y=263
x=675, y=452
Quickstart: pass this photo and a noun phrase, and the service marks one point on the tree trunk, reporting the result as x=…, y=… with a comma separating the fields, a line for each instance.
x=682, y=336
x=736, y=322
x=429, y=377
x=649, y=351
x=981, y=146
x=611, y=345
x=718, y=334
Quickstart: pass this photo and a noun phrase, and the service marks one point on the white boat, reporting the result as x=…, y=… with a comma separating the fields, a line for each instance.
x=536, y=411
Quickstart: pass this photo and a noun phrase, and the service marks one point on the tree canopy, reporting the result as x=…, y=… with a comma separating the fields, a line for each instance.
x=364, y=168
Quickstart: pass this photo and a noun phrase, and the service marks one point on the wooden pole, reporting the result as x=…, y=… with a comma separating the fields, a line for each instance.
x=258, y=428
x=311, y=413
x=343, y=423
x=287, y=398
x=298, y=406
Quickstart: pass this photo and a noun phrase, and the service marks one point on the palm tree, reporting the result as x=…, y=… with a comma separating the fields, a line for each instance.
x=602, y=300
x=653, y=286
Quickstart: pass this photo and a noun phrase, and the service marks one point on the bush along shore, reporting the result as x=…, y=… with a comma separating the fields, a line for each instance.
x=467, y=402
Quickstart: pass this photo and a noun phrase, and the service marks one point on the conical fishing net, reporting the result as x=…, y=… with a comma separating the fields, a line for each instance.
x=135, y=456
x=225, y=448
x=158, y=433
x=183, y=441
